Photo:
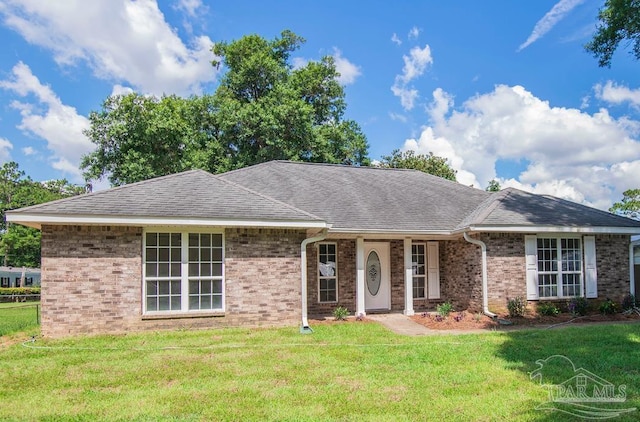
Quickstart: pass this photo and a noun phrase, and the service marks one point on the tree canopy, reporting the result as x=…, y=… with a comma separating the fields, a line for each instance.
x=493, y=186
x=263, y=109
x=19, y=245
x=629, y=206
x=431, y=164
x=619, y=20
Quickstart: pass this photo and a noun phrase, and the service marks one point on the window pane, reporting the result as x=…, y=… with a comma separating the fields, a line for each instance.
x=205, y=302
x=176, y=239
x=194, y=270
x=163, y=303
x=193, y=254
x=217, y=270
x=163, y=254
x=194, y=302
x=152, y=304
x=151, y=255
x=175, y=303
x=205, y=270
x=205, y=240
x=152, y=239
x=205, y=254
x=194, y=288
x=152, y=288
x=151, y=270
x=163, y=239
x=217, y=286
x=163, y=287
x=216, y=254
x=176, y=254
x=217, y=302
x=216, y=240
x=163, y=270
x=175, y=270
x=175, y=287
x=205, y=287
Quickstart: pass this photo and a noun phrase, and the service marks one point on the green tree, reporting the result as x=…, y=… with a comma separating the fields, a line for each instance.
x=629, y=206
x=494, y=186
x=263, y=109
x=432, y=164
x=619, y=20
x=138, y=137
x=19, y=245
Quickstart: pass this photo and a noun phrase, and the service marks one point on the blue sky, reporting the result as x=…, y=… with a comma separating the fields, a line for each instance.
x=502, y=89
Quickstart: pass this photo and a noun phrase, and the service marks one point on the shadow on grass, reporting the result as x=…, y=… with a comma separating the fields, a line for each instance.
x=588, y=372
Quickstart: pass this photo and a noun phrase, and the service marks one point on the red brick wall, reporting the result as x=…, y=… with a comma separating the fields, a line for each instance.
x=91, y=280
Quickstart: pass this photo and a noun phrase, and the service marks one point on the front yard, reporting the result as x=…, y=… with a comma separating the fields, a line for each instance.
x=343, y=371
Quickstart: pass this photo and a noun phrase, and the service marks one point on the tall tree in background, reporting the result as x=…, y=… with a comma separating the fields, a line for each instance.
x=19, y=245
x=432, y=164
x=619, y=20
x=629, y=206
x=262, y=110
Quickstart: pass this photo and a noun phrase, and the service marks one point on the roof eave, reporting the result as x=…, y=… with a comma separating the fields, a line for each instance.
x=37, y=220
x=552, y=229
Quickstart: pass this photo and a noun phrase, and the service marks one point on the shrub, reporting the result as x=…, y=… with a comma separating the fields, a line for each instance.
x=548, y=309
x=578, y=306
x=517, y=306
x=340, y=313
x=629, y=302
x=444, y=309
x=12, y=291
x=608, y=307
x=459, y=317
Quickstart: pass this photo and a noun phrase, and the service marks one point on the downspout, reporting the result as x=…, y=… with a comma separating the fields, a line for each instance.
x=485, y=283
x=303, y=277
x=632, y=272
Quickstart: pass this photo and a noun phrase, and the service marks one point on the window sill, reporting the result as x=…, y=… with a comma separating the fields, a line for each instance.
x=182, y=315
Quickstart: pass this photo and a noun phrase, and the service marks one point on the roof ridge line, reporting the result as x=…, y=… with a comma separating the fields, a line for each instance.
x=488, y=209
x=291, y=207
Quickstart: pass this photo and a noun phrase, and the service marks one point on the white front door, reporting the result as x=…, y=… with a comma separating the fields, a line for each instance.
x=377, y=276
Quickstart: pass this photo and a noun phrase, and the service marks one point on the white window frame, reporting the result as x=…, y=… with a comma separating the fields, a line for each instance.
x=559, y=272
x=325, y=277
x=184, y=271
x=415, y=272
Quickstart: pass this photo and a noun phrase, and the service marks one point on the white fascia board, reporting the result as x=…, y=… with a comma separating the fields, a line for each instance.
x=37, y=220
x=554, y=229
x=384, y=234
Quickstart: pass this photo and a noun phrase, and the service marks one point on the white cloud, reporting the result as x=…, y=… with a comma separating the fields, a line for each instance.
x=549, y=20
x=398, y=117
x=395, y=39
x=415, y=65
x=121, y=90
x=5, y=150
x=28, y=151
x=617, y=94
x=348, y=71
x=47, y=118
x=589, y=158
x=190, y=7
x=122, y=41
x=413, y=33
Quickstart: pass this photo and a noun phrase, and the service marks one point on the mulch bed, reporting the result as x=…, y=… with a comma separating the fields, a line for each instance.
x=473, y=321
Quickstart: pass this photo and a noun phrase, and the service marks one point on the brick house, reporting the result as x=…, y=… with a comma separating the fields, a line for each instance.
x=273, y=243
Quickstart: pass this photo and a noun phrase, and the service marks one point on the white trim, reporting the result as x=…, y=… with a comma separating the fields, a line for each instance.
x=360, y=306
x=318, y=276
x=426, y=272
x=554, y=229
x=36, y=220
x=408, y=277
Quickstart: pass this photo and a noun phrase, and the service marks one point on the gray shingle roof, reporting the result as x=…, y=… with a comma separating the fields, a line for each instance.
x=364, y=198
x=513, y=207
x=191, y=194
x=348, y=198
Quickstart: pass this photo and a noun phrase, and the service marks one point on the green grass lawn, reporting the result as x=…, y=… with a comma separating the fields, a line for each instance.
x=15, y=317
x=351, y=371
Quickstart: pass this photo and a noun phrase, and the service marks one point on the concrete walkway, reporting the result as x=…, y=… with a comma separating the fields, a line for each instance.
x=402, y=324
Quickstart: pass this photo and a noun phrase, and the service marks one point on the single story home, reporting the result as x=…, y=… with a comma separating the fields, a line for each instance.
x=273, y=243
x=19, y=276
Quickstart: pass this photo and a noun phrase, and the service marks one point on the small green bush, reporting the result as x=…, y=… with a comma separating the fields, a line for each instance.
x=444, y=309
x=340, y=313
x=548, y=309
x=517, y=306
x=578, y=306
x=608, y=307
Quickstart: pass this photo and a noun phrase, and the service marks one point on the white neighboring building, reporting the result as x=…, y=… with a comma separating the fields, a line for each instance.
x=12, y=277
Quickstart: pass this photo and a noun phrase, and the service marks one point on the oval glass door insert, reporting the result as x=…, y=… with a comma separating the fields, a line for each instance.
x=373, y=273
